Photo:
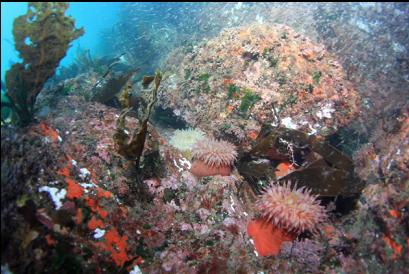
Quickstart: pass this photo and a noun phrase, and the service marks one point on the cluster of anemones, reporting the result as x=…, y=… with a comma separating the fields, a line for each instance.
x=285, y=213
x=212, y=157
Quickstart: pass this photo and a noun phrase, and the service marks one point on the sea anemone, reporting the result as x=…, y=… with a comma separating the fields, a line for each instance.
x=186, y=138
x=285, y=213
x=294, y=210
x=267, y=238
x=213, y=157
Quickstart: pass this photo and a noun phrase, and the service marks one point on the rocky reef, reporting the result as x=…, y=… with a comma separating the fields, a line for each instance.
x=67, y=205
x=252, y=97
x=249, y=76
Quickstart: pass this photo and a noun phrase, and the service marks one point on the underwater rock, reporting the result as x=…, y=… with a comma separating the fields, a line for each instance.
x=280, y=86
x=386, y=157
x=189, y=224
x=68, y=191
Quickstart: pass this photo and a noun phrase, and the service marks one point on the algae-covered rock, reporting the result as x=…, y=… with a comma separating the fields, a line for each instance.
x=42, y=37
x=259, y=74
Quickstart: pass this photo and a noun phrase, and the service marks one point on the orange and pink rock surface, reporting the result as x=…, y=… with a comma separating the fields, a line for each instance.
x=298, y=83
x=75, y=198
x=76, y=201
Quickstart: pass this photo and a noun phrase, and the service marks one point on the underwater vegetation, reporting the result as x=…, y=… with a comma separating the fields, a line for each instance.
x=232, y=91
x=248, y=100
x=42, y=37
x=106, y=89
x=85, y=63
x=316, y=76
x=132, y=147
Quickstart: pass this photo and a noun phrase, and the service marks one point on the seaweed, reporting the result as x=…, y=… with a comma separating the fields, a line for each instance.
x=132, y=148
x=207, y=88
x=232, y=91
x=266, y=52
x=248, y=100
x=84, y=62
x=112, y=87
x=204, y=78
x=66, y=90
x=147, y=80
x=316, y=77
x=310, y=88
x=289, y=102
x=125, y=94
x=226, y=126
x=188, y=73
x=42, y=37
x=324, y=169
x=272, y=60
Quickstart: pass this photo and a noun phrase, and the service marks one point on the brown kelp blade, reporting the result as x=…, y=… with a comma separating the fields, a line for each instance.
x=112, y=87
x=147, y=80
x=321, y=167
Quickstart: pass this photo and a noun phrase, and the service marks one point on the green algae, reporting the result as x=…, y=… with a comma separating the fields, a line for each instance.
x=248, y=100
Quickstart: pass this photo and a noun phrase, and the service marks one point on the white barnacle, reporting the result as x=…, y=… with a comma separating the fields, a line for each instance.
x=87, y=186
x=232, y=204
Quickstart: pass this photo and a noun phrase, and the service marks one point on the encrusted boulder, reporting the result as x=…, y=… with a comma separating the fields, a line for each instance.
x=249, y=76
